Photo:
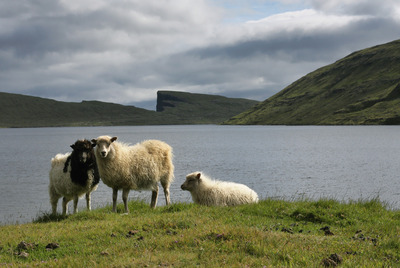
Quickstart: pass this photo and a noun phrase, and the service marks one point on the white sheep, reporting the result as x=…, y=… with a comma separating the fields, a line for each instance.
x=137, y=167
x=206, y=191
x=72, y=175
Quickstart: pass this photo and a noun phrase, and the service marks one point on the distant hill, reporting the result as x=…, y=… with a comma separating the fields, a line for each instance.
x=26, y=111
x=200, y=108
x=362, y=88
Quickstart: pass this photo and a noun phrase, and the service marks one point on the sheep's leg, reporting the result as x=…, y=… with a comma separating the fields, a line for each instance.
x=115, y=195
x=76, y=198
x=54, y=206
x=65, y=206
x=166, y=192
x=88, y=201
x=54, y=201
x=154, y=196
x=125, y=193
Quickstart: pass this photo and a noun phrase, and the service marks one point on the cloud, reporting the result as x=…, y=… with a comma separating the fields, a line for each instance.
x=124, y=51
x=386, y=8
x=264, y=56
x=67, y=44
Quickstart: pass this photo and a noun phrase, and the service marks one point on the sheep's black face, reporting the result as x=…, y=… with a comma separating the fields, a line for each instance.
x=83, y=150
x=83, y=156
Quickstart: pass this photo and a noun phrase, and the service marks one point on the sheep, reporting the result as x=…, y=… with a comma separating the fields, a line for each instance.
x=134, y=167
x=206, y=191
x=72, y=175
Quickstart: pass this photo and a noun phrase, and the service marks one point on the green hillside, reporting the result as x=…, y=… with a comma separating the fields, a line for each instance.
x=183, y=107
x=27, y=111
x=362, y=88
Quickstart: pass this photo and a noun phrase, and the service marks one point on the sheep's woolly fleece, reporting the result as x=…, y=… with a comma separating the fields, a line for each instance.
x=61, y=185
x=137, y=167
x=206, y=191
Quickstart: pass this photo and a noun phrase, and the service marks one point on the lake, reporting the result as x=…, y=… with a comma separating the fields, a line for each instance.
x=289, y=162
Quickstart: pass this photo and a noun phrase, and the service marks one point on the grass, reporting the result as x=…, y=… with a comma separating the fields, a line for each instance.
x=273, y=233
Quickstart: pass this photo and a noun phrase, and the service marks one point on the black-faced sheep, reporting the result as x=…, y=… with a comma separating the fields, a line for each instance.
x=137, y=167
x=72, y=175
x=206, y=191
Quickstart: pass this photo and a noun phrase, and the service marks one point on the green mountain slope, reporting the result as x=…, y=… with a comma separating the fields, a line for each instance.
x=200, y=108
x=26, y=111
x=362, y=88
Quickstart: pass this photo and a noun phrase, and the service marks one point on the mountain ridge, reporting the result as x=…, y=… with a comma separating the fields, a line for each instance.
x=17, y=110
x=362, y=88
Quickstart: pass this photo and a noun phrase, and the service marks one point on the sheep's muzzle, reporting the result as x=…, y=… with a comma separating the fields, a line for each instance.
x=83, y=157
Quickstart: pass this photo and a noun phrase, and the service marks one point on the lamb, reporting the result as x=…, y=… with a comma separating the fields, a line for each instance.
x=72, y=175
x=137, y=167
x=206, y=191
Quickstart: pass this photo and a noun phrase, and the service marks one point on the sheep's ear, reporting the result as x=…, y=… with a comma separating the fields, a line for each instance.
x=94, y=141
x=72, y=146
x=113, y=139
x=198, y=176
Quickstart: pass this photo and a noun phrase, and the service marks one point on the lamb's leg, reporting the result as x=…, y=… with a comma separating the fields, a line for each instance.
x=154, y=196
x=88, y=202
x=76, y=198
x=125, y=193
x=115, y=195
x=65, y=206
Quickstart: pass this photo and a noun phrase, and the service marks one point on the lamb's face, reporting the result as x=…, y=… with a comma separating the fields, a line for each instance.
x=83, y=149
x=104, y=145
x=192, y=182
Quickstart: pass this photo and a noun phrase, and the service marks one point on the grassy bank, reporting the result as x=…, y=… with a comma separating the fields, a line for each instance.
x=273, y=233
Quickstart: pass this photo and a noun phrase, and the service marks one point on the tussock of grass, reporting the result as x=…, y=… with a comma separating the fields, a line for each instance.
x=271, y=233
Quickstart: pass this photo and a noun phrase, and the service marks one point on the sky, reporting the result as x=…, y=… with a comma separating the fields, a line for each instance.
x=124, y=51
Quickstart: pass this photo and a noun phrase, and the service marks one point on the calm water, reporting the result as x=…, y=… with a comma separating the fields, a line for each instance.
x=340, y=162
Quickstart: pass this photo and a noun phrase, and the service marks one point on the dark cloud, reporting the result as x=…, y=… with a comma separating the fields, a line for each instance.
x=268, y=63
x=383, y=8
x=25, y=8
x=297, y=45
x=71, y=51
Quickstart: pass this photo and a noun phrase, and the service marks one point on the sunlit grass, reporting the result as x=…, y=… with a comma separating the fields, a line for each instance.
x=271, y=233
